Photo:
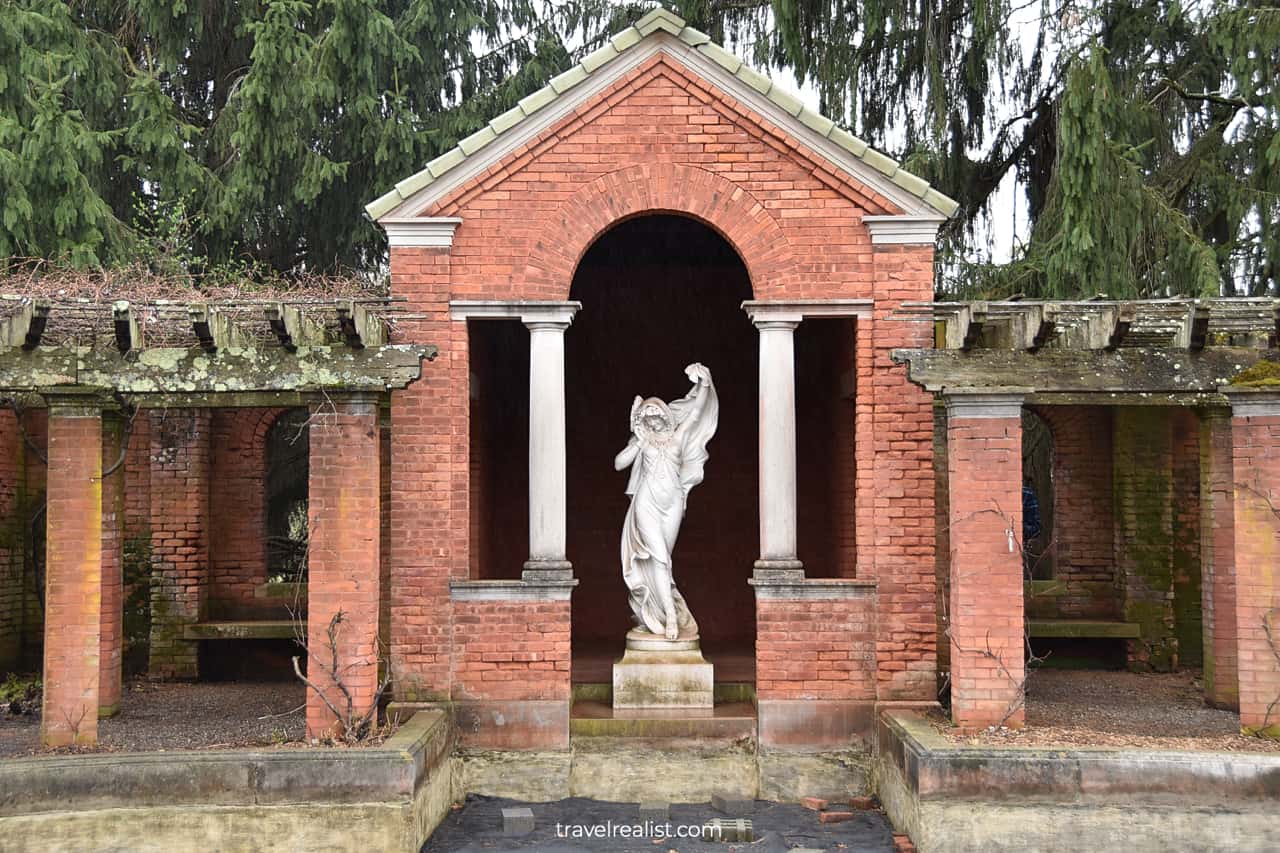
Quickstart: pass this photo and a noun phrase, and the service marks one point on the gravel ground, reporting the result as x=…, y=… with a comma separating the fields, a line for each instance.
x=477, y=827
x=157, y=717
x=1122, y=709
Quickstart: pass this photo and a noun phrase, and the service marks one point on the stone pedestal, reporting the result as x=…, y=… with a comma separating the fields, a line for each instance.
x=659, y=673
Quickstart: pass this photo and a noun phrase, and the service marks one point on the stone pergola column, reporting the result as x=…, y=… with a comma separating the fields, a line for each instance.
x=777, y=322
x=343, y=568
x=548, y=522
x=984, y=462
x=73, y=573
x=1217, y=558
x=1255, y=432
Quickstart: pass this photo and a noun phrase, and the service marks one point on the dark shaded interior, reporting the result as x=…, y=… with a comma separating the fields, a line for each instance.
x=657, y=293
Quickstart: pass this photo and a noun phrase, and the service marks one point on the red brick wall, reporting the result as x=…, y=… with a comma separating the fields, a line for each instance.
x=179, y=535
x=984, y=457
x=345, y=485
x=661, y=140
x=73, y=578
x=429, y=467
x=901, y=467
x=37, y=427
x=1144, y=499
x=1185, y=537
x=237, y=511
x=816, y=649
x=1217, y=556
x=1083, y=516
x=111, y=622
x=13, y=536
x=1256, y=461
x=137, y=479
x=511, y=650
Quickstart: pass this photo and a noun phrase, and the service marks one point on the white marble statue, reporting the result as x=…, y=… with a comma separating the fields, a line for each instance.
x=667, y=452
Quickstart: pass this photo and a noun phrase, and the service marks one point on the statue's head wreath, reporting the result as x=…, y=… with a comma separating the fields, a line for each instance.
x=647, y=408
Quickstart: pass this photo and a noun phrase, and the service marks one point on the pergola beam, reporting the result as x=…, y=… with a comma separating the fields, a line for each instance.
x=176, y=370
x=126, y=326
x=359, y=328
x=214, y=329
x=293, y=327
x=26, y=326
x=1131, y=371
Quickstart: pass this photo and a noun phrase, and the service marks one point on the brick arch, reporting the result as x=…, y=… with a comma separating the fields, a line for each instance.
x=640, y=189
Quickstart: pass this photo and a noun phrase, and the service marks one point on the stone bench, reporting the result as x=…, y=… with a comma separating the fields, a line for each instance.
x=1083, y=629
x=274, y=629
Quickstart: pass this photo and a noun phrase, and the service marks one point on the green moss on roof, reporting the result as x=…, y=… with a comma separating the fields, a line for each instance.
x=1264, y=374
x=655, y=21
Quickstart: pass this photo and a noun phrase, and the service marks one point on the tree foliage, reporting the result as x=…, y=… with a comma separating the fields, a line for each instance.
x=1141, y=137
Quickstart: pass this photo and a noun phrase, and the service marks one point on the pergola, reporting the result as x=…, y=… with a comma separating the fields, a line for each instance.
x=87, y=362
x=1215, y=355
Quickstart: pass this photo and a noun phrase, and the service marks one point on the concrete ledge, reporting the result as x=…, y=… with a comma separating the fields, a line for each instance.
x=396, y=792
x=811, y=589
x=953, y=797
x=815, y=723
x=513, y=724
x=511, y=590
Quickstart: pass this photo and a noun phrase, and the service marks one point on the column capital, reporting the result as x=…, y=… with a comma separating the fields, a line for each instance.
x=426, y=232
x=1252, y=403
x=777, y=314
x=982, y=404
x=539, y=315
x=77, y=403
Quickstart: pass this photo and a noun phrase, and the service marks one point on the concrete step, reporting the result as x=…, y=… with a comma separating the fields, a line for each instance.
x=728, y=721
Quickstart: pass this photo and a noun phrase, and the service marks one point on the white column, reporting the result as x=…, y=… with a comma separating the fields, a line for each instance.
x=547, y=514
x=777, y=443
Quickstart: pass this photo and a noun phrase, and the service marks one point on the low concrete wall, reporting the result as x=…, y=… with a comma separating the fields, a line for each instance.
x=675, y=770
x=384, y=798
x=952, y=797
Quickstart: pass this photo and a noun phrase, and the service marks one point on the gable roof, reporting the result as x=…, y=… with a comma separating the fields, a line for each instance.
x=660, y=30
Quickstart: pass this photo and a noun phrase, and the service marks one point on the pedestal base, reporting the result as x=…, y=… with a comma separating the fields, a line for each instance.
x=659, y=673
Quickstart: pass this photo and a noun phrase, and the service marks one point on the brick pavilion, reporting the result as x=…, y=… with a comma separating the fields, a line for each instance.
x=858, y=533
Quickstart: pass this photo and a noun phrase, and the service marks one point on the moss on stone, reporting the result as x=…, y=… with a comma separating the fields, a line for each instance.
x=1263, y=374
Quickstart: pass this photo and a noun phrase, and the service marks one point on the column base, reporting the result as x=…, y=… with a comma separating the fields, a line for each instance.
x=778, y=570
x=547, y=570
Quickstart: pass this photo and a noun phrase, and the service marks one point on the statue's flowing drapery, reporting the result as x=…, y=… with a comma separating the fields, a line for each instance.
x=665, y=468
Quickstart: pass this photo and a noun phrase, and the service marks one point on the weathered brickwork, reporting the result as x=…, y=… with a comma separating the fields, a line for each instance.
x=1256, y=462
x=1144, y=496
x=661, y=139
x=342, y=559
x=73, y=598
x=816, y=649
x=1185, y=537
x=1217, y=558
x=511, y=650
x=238, y=512
x=111, y=622
x=1084, y=518
x=179, y=536
x=984, y=457
x=901, y=474
x=429, y=467
x=13, y=536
